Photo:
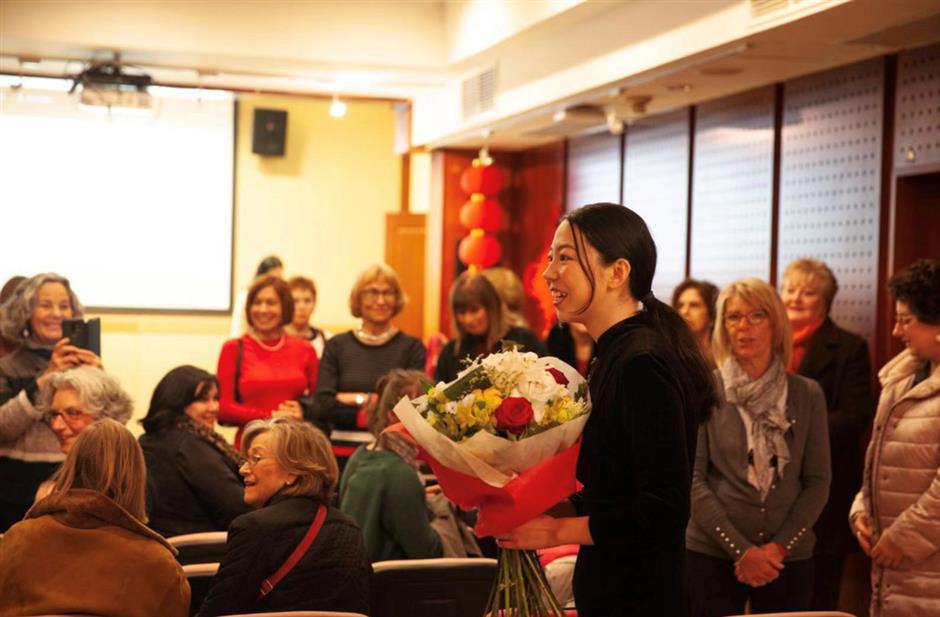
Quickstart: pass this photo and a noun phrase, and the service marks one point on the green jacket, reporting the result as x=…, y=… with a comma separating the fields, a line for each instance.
x=385, y=497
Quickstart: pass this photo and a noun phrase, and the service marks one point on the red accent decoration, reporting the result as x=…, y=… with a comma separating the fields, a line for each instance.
x=487, y=180
x=514, y=414
x=486, y=215
x=558, y=375
x=345, y=451
x=482, y=251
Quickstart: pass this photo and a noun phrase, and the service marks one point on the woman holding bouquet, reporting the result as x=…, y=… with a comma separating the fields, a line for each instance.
x=651, y=388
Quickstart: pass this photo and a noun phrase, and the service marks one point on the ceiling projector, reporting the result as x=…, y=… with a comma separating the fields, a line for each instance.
x=108, y=85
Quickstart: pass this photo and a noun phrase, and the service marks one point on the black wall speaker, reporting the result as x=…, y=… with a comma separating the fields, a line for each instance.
x=269, y=132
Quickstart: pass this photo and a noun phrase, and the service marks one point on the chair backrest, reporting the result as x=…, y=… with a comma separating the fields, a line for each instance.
x=199, y=576
x=299, y=614
x=447, y=587
x=804, y=614
x=205, y=547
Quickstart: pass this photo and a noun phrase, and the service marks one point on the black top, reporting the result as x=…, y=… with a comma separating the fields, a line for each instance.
x=349, y=365
x=333, y=575
x=839, y=361
x=448, y=364
x=636, y=466
x=194, y=486
x=560, y=344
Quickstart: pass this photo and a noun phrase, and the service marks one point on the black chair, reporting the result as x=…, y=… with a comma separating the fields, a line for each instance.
x=447, y=587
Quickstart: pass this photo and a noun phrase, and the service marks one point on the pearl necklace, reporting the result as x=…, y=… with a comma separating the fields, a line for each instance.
x=280, y=343
x=365, y=337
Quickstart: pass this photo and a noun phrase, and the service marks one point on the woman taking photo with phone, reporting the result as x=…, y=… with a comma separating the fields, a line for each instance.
x=29, y=451
x=650, y=389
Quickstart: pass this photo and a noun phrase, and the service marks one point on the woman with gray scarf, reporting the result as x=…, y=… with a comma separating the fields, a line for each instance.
x=29, y=451
x=762, y=471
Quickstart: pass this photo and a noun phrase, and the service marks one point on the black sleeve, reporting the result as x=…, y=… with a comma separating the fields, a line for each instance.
x=416, y=355
x=325, y=410
x=531, y=342
x=447, y=366
x=219, y=490
x=653, y=423
x=238, y=580
x=852, y=403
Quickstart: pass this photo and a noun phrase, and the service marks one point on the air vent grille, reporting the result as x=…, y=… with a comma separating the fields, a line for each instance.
x=479, y=92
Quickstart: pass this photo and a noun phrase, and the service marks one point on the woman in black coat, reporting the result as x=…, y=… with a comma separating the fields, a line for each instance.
x=650, y=389
x=192, y=473
x=290, y=478
x=839, y=361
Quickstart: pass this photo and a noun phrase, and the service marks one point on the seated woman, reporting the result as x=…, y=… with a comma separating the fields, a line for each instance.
x=266, y=372
x=354, y=361
x=290, y=476
x=304, y=293
x=31, y=318
x=761, y=474
x=192, y=471
x=695, y=302
x=85, y=547
x=480, y=319
x=381, y=488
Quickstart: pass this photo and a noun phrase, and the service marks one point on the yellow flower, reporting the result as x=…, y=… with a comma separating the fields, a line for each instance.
x=472, y=411
x=436, y=396
x=492, y=398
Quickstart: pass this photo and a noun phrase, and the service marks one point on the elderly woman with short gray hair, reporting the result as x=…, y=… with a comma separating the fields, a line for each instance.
x=29, y=452
x=761, y=474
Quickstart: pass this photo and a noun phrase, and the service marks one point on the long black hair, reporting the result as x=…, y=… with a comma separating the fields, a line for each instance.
x=178, y=388
x=617, y=232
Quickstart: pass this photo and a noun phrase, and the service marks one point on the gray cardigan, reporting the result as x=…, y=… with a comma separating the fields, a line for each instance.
x=728, y=516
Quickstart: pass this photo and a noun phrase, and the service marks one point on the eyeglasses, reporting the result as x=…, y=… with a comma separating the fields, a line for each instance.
x=69, y=416
x=373, y=294
x=253, y=460
x=755, y=318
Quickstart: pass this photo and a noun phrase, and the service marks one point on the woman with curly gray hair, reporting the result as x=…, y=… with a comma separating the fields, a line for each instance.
x=29, y=452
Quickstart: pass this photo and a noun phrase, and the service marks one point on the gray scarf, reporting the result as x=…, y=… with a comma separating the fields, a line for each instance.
x=758, y=398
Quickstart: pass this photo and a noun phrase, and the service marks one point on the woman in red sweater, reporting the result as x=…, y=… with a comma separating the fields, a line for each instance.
x=266, y=371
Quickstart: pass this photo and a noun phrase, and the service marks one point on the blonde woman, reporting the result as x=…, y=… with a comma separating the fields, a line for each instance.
x=290, y=476
x=85, y=548
x=761, y=474
x=354, y=361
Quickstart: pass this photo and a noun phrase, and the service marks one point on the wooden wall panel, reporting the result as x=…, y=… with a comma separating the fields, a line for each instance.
x=593, y=169
x=655, y=186
x=917, y=115
x=404, y=251
x=830, y=183
x=732, y=188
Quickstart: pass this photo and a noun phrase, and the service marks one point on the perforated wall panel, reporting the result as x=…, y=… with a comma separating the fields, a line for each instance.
x=732, y=188
x=830, y=183
x=655, y=186
x=593, y=169
x=917, y=119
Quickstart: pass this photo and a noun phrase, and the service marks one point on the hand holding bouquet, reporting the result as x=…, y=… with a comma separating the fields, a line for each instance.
x=504, y=438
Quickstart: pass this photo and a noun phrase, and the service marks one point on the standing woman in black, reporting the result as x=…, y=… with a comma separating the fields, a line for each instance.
x=650, y=388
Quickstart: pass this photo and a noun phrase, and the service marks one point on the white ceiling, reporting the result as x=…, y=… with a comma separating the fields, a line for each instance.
x=549, y=54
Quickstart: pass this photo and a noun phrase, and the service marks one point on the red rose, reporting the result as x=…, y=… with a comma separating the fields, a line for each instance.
x=559, y=376
x=513, y=415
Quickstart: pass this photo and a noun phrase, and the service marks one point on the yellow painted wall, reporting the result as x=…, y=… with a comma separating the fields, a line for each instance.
x=321, y=208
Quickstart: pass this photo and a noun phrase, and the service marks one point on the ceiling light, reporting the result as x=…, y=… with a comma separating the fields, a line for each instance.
x=337, y=107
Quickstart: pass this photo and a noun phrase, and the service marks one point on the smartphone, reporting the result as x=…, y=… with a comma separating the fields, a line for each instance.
x=84, y=334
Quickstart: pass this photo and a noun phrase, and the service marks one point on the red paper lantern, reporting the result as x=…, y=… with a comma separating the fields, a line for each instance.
x=483, y=214
x=487, y=180
x=480, y=251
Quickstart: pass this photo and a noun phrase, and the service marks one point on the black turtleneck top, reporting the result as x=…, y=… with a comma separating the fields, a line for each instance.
x=636, y=467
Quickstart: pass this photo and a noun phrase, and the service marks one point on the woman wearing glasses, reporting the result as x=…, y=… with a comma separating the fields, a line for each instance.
x=266, y=371
x=895, y=515
x=31, y=318
x=354, y=361
x=290, y=478
x=761, y=474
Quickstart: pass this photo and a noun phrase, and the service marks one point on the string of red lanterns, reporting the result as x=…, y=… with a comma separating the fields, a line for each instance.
x=481, y=214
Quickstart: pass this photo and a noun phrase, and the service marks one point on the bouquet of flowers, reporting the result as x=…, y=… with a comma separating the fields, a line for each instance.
x=504, y=438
